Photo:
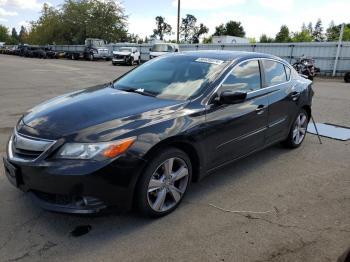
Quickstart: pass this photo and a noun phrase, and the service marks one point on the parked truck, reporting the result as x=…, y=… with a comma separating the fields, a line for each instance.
x=91, y=50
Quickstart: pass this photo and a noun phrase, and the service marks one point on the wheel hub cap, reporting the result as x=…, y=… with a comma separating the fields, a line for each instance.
x=167, y=184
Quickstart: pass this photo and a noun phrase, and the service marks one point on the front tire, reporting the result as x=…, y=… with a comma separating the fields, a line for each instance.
x=297, y=132
x=164, y=183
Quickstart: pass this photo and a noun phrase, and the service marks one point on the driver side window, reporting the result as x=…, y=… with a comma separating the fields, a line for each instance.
x=244, y=77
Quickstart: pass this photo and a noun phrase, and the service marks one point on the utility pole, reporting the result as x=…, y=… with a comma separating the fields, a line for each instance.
x=338, y=49
x=178, y=21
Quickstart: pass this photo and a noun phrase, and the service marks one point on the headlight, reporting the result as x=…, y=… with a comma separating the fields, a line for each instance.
x=88, y=151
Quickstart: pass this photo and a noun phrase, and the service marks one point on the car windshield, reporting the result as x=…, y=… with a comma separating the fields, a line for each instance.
x=161, y=48
x=177, y=77
x=98, y=43
x=125, y=49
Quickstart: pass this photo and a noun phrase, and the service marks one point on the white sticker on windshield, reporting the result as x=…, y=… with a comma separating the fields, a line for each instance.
x=209, y=60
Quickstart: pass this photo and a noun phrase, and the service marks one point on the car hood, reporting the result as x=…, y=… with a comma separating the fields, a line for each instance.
x=93, y=111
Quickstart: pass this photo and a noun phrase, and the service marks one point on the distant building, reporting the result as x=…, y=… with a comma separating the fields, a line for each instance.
x=228, y=39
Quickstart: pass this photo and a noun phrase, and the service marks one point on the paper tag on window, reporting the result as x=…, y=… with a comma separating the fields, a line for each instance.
x=209, y=61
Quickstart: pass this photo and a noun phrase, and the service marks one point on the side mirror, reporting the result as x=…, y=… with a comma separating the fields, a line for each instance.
x=232, y=97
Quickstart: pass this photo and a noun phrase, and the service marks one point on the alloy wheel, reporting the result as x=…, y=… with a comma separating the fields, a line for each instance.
x=300, y=127
x=168, y=184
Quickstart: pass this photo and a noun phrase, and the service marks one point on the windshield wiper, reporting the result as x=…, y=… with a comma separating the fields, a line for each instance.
x=138, y=91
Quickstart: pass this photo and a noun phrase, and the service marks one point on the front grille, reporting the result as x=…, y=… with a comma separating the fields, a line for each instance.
x=119, y=56
x=27, y=148
x=28, y=154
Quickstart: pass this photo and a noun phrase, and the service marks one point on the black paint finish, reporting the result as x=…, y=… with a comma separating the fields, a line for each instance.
x=213, y=134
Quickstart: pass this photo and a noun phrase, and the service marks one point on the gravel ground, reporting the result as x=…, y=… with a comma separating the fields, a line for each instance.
x=305, y=193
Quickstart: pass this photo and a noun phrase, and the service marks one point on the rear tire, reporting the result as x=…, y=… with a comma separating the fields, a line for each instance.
x=297, y=132
x=163, y=183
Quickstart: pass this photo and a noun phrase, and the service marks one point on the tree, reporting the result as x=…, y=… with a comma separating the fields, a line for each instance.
x=283, y=35
x=162, y=29
x=235, y=29
x=333, y=32
x=208, y=40
x=4, y=37
x=23, y=35
x=303, y=36
x=188, y=27
x=199, y=30
x=310, y=28
x=14, y=34
x=220, y=30
x=317, y=33
x=232, y=28
x=77, y=20
x=189, y=31
x=265, y=39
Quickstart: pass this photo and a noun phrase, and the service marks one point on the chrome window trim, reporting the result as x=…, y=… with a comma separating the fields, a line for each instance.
x=251, y=92
x=28, y=139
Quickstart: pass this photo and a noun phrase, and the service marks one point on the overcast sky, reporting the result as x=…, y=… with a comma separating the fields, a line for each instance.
x=257, y=16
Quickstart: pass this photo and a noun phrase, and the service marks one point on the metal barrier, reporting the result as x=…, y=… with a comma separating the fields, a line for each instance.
x=324, y=53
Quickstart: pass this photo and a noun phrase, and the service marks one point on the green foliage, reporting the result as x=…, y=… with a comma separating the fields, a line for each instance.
x=303, y=36
x=231, y=28
x=198, y=31
x=283, y=35
x=162, y=29
x=333, y=32
x=189, y=31
x=317, y=32
x=4, y=37
x=77, y=20
x=187, y=27
x=265, y=39
x=208, y=40
x=252, y=40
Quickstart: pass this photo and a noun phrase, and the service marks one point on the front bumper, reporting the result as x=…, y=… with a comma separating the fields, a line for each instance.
x=77, y=186
x=121, y=60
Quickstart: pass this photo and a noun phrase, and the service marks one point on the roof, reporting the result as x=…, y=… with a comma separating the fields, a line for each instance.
x=227, y=55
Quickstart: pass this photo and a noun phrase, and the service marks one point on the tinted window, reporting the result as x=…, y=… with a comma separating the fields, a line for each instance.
x=274, y=72
x=244, y=77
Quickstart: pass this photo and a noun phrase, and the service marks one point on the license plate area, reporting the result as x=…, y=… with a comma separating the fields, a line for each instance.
x=12, y=173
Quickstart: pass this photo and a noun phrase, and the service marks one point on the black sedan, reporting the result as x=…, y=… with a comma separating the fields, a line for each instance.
x=145, y=137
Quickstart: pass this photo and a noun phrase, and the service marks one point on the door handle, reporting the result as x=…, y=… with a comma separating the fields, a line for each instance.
x=260, y=109
x=295, y=95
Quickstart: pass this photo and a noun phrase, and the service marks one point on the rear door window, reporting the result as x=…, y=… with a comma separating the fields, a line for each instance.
x=274, y=72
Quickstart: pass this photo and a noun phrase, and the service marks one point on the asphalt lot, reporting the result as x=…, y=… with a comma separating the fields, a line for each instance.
x=305, y=193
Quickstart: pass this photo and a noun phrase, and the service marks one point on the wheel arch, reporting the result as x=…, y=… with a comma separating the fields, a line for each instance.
x=183, y=145
x=307, y=108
